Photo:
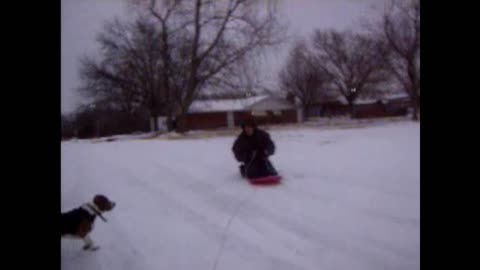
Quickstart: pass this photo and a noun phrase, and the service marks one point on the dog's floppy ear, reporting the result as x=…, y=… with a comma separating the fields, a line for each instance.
x=103, y=203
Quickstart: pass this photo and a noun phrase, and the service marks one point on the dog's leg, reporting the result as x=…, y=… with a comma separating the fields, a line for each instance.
x=89, y=245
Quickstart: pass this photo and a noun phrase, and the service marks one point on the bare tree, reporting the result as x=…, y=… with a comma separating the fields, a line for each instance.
x=218, y=38
x=128, y=72
x=355, y=62
x=177, y=49
x=401, y=31
x=303, y=76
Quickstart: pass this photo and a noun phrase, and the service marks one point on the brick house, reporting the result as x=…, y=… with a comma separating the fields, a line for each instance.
x=228, y=113
x=389, y=105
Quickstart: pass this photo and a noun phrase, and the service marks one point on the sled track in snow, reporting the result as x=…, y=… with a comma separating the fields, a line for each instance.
x=230, y=220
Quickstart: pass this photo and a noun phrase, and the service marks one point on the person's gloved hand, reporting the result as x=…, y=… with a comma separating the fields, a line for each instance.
x=265, y=152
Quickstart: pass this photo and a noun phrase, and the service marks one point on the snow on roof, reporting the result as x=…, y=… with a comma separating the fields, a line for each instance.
x=243, y=104
x=369, y=100
x=272, y=103
x=397, y=95
x=224, y=105
x=385, y=98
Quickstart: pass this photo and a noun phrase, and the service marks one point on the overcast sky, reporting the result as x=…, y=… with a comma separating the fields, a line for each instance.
x=83, y=19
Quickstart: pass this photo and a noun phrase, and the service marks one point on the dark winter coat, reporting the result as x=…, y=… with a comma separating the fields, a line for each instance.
x=253, y=151
x=245, y=145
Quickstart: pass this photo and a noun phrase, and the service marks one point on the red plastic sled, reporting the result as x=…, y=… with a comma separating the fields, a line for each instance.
x=267, y=180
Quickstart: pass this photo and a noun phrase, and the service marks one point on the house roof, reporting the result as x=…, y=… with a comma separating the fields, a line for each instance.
x=384, y=98
x=271, y=103
x=256, y=103
x=368, y=100
x=224, y=105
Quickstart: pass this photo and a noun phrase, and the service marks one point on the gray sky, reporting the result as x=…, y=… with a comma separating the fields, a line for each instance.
x=83, y=19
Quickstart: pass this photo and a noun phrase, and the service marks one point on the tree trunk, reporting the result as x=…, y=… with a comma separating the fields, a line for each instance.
x=415, y=114
x=351, y=106
x=412, y=75
x=181, y=123
x=154, y=119
x=415, y=111
x=306, y=113
x=170, y=126
x=97, y=126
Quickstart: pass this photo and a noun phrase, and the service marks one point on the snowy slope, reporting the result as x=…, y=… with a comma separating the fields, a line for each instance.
x=350, y=200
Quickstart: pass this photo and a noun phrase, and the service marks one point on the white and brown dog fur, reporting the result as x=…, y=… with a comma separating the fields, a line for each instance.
x=78, y=223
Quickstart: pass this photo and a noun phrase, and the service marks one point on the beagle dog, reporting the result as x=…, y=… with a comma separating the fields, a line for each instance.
x=78, y=223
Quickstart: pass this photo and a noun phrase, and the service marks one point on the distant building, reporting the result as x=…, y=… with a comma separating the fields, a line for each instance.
x=388, y=105
x=211, y=114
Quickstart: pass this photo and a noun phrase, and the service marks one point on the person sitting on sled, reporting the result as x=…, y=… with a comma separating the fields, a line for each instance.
x=252, y=148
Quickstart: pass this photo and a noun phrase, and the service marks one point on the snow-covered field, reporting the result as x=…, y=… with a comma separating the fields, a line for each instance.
x=350, y=200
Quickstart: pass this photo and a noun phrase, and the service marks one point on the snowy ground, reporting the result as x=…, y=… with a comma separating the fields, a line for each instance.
x=350, y=200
